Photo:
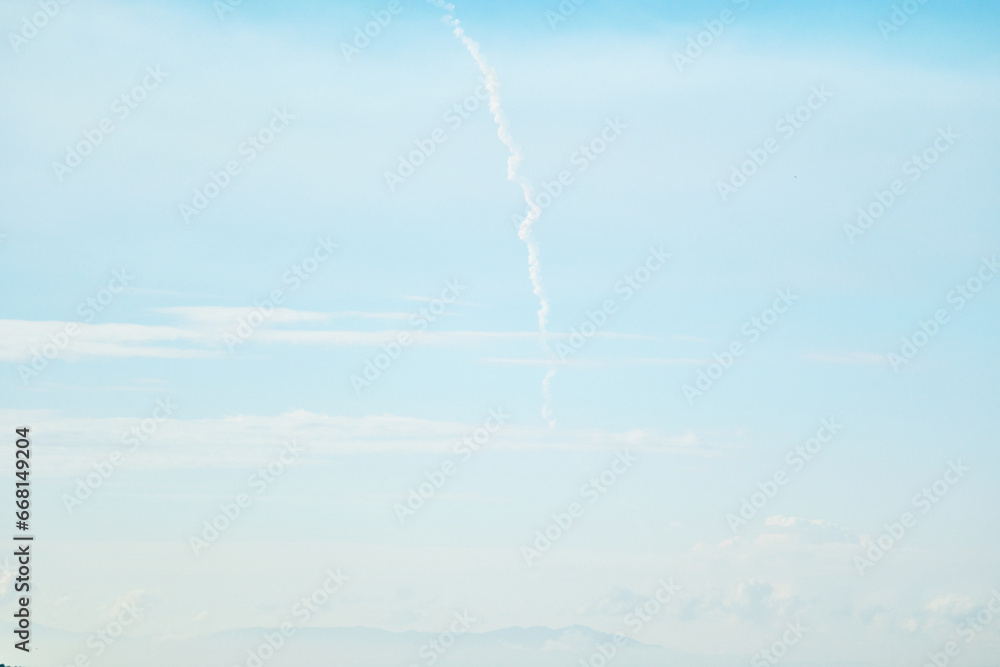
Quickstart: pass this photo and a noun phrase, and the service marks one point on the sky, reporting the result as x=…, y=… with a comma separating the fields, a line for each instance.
x=262, y=269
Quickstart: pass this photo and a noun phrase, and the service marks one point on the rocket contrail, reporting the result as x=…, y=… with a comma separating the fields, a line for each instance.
x=534, y=211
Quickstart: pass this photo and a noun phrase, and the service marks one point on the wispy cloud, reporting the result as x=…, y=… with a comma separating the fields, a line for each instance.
x=246, y=440
x=201, y=336
x=20, y=340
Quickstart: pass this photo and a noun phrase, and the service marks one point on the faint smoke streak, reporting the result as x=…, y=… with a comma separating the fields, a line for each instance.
x=524, y=231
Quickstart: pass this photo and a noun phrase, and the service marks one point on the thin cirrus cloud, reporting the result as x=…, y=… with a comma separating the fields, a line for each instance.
x=204, y=328
x=22, y=340
x=248, y=440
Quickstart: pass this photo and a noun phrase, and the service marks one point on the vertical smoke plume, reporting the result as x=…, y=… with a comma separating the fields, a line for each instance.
x=534, y=211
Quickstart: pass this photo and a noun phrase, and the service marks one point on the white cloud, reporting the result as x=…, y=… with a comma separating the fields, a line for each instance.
x=20, y=340
x=243, y=440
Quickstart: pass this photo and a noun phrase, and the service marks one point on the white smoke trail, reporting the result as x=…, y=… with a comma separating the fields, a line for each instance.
x=534, y=211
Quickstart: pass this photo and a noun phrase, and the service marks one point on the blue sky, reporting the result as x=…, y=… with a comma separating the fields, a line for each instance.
x=343, y=124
